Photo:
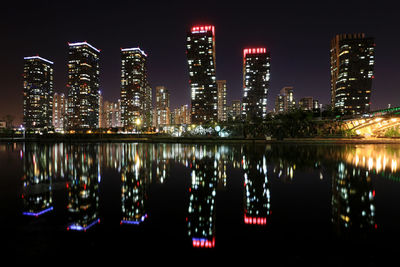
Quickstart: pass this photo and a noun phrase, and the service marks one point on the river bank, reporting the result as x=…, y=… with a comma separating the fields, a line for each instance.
x=209, y=139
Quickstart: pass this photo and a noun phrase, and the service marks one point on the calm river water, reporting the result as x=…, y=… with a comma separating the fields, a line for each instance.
x=288, y=204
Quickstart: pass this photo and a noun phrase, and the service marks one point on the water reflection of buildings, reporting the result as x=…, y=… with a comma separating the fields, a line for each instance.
x=257, y=194
x=162, y=162
x=380, y=159
x=37, y=193
x=77, y=170
x=201, y=212
x=135, y=175
x=159, y=158
x=353, y=197
x=83, y=174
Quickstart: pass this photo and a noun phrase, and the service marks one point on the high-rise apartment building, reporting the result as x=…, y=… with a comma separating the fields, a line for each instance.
x=256, y=75
x=162, y=116
x=235, y=111
x=147, y=107
x=101, y=110
x=83, y=86
x=111, y=114
x=306, y=103
x=200, y=44
x=222, y=109
x=181, y=115
x=134, y=87
x=279, y=104
x=38, y=93
x=287, y=98
x=352, y=71
x=59, y=112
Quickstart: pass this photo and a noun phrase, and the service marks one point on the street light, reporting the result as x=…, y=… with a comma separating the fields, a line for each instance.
x=138, y=123
x=22, y=128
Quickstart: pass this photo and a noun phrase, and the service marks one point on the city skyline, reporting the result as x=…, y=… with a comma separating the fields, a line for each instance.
x=292, y=63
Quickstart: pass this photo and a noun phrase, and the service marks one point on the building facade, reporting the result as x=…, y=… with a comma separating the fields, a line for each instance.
x=38, y=93
x=285, y=100
x=111, y=115
x=202, y=74
x=60, y=106
x=352, y=71
x=256, y=76
x=222, y=109
x=134, y=86
x=308, y=103
x=147, y=107
x=83, y=86
x=279, y=105
x=181, y=115
x=162, y=110
x=235, y=111
x=101, y=110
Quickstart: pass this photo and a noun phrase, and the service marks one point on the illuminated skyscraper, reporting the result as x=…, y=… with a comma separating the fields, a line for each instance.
x=134, y=86
x=101, y=111
x=202, y=74
x=59, y=111
x=285, y=100
x=38, y=93
x=256, y=74
x=147, y=107
x=309, y=103
x=279, y=106
x=111, y=115
x=181, y=115
x=235, y=110
x=352, y=71
x=162, y=106
x=222, y=112
x=83, y=85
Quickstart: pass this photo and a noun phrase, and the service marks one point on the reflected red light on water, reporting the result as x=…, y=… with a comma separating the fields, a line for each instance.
x=255, y=220
x=203, y=243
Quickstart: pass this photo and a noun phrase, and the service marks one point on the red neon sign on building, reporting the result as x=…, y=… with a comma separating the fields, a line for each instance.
x=203, y=29
x=260, y=50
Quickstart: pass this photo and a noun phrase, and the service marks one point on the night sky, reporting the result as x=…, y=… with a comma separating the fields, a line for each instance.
x=297, y=35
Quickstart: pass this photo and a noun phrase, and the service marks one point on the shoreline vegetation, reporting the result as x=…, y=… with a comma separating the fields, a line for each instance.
x=154, y=138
